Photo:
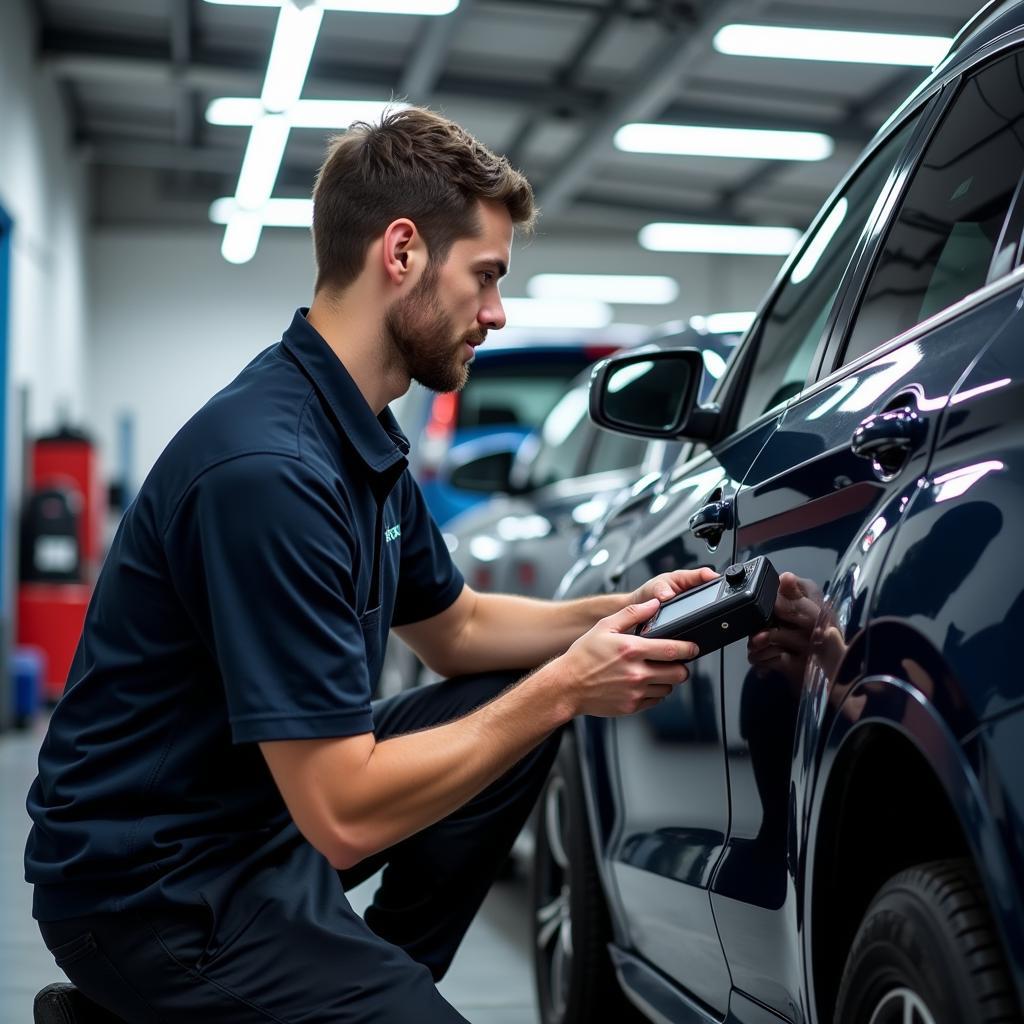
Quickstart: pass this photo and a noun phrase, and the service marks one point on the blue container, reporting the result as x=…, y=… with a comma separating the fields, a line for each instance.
x=28, y=669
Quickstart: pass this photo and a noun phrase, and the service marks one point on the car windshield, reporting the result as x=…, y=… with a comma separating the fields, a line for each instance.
x=498, y=394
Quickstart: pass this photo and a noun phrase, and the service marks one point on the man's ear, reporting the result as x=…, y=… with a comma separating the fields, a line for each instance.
x=401, y=250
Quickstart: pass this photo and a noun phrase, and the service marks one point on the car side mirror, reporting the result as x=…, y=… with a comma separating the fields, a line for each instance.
x=486, y=474
x=482, y=465
x=653, y=394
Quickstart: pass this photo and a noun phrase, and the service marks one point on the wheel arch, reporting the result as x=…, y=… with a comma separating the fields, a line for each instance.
x=893, y=788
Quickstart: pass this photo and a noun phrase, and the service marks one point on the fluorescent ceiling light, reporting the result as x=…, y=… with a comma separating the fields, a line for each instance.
x=262, y=160
x=241, y=112
x=724, y=238
x=828, y=44
x=294, y=39
x=723, y=323
x=275, y=213
x=241, y=237
x=604, y=287
x=694, y=140
x=367, y=6
x=541, y=313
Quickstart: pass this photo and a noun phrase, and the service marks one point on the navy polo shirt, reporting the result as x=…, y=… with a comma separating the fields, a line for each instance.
x=247, y=596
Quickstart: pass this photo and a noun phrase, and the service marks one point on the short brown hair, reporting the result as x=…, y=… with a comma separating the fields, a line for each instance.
x=414, y=164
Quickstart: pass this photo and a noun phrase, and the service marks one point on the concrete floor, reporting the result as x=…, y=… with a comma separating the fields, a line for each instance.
x=490, y=981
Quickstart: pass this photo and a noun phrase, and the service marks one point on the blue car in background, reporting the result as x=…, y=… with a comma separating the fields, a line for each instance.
x=826, y=822
x=509, y=392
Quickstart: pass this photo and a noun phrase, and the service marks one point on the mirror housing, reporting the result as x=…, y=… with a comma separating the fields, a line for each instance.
x=653, y=394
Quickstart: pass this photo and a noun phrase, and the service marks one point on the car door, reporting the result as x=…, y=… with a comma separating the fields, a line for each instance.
x=824, y=496
x=672, y=798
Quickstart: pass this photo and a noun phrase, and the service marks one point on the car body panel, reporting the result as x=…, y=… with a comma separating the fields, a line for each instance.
x=906, y=644
x=821, y=512
x=996, y=754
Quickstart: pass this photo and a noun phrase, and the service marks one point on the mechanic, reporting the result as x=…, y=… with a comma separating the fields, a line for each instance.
x=215, y=776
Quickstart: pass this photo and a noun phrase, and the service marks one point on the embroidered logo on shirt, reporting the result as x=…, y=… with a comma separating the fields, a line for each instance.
x=392, y=533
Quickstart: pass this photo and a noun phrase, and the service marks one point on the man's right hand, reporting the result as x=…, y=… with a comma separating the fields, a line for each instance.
x=610, y=672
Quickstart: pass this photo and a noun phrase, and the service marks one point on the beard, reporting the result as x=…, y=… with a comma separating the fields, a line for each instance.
x=423, y=336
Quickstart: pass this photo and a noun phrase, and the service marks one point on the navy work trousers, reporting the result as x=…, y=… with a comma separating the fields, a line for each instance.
x=304, y=955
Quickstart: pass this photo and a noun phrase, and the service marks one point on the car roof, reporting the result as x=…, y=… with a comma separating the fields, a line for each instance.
x=993, y=20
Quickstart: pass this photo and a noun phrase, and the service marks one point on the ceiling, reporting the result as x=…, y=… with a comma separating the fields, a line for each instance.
x=545, y=81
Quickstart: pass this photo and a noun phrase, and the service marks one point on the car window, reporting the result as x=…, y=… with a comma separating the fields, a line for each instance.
x=520, y=393
x=790, y=333
x=564, y=435
x=943, y=240
x=612, y=450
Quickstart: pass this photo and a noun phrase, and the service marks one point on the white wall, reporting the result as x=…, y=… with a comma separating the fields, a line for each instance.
x=172, y=321
x=43, y=186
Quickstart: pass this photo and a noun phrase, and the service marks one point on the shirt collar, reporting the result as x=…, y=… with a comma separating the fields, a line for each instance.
x=378, y=440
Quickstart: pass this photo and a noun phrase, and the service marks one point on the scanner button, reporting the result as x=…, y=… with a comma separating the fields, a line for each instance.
x=735, y=575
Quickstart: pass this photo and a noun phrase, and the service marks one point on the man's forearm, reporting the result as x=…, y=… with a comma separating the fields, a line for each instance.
x=409, y=782
x=505, y=631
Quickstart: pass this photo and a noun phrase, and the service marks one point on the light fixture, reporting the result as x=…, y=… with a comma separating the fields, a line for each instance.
x=723, y=238
x=274, y=213
x=366, y=6
x=242, y=112
x=695, y=140
x=723, y=323
x=624, y=288
x=294, y=39
x=262, y=161
x=832, y=45
x=542, y=313
x=241, y=237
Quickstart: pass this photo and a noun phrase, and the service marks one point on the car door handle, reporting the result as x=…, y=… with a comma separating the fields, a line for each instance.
x=710, y=521
x=887, y=439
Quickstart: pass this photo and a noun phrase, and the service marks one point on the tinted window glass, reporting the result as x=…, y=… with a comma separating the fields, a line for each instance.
x=615, y=451
x=793, y=328
x=942, y=243
x=563, y=437
x=511, y=398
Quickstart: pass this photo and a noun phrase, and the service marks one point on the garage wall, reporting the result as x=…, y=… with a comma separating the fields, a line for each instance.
x=43, y=191
x=171, y=321
x=43, y=186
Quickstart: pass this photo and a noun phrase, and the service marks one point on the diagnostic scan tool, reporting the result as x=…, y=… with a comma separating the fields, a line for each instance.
x=714, y=614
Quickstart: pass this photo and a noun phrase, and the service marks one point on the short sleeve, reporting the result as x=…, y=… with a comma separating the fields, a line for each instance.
x=262, y=553
x=428, y=579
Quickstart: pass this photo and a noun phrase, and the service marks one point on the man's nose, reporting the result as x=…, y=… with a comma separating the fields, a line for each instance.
x=492, y=316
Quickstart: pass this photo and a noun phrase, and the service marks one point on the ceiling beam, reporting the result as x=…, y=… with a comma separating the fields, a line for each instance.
x=182, y=37
x=209, y=72
x=563, y=80
x=424, y=69
x=658, y=82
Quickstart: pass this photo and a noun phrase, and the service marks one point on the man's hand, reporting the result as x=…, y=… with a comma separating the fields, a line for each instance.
x=609, y=671
x=669, y=584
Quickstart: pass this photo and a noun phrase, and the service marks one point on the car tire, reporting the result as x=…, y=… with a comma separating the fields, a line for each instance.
x=575, y=979
x=927, y=952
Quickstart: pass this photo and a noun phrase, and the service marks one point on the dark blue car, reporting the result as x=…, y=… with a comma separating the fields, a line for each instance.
x=827, y=822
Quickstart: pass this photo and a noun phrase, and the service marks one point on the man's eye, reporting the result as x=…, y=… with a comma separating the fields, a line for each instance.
x=486, y=276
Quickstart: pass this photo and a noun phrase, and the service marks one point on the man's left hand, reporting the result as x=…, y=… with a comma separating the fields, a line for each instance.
x=669, y=584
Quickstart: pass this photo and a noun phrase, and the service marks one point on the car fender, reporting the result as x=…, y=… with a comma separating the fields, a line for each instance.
x=885, y=702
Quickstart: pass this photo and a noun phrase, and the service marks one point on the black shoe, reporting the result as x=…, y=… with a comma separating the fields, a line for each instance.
x=64, y=1004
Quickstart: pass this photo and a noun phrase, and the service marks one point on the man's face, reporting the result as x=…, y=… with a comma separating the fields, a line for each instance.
x=436, y=327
